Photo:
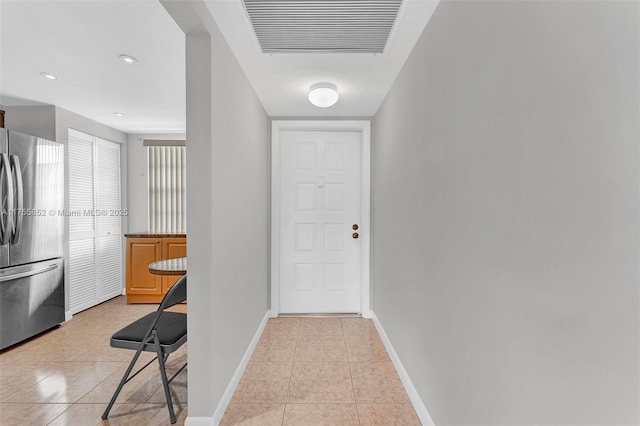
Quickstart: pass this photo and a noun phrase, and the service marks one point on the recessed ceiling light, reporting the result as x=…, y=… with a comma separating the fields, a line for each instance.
x=323, y=95
x=128, y=59
x=118, y=114
x=49, y=76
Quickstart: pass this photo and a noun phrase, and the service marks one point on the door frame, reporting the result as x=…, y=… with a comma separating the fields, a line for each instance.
x=362, y=126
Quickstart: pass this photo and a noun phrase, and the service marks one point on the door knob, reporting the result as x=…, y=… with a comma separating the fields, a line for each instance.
x=355, y=227
x=355, y=235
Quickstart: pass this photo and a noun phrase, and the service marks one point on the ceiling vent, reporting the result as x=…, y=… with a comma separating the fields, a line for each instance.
x=322, y=26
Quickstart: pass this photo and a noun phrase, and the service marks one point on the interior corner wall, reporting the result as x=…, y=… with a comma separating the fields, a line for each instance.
x=506, y=213
x=66, y=119
x=228, y=206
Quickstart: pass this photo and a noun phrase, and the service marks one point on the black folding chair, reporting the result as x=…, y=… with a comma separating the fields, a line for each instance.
x=161, y=332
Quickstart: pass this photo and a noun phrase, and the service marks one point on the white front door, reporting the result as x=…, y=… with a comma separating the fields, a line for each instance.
x=320, y=221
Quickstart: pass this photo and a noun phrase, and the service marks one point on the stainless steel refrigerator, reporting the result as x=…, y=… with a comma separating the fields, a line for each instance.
x=31, y=236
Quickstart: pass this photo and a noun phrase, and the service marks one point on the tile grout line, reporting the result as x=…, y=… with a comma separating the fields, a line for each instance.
x=73, y=404
x=353, y=386
x=293, y=360
x=63, y=411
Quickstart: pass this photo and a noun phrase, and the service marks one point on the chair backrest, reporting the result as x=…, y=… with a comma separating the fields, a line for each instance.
x=176, y=294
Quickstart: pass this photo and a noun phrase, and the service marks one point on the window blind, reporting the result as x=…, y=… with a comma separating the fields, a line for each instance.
x=167, y=189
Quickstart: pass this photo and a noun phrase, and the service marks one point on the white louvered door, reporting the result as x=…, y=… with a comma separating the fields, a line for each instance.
x=82, y=256
x=108, y=222
x=95, y=253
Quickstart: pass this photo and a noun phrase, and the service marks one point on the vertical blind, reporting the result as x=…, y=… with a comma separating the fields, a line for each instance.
x=167, y=189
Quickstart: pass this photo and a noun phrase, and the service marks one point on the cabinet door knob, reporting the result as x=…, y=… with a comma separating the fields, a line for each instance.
x=355, y=226
x=355, y=235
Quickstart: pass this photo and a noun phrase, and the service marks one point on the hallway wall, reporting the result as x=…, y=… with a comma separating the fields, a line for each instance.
x=227, y=213
x=505, y=213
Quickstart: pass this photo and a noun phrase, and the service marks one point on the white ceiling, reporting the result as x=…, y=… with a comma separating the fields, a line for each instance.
x=282, y=80
x=80, y=42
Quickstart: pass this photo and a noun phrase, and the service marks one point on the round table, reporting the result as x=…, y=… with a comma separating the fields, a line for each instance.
x=176, y=266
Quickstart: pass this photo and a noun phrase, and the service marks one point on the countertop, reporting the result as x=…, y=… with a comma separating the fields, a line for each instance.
x=153, y=235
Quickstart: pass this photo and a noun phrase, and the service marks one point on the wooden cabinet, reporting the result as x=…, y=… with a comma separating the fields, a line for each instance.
x=140, y=253
x=172, y=248
x=142, y=285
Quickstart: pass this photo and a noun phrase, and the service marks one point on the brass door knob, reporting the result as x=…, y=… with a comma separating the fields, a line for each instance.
x=355, y=227
x=355, y=235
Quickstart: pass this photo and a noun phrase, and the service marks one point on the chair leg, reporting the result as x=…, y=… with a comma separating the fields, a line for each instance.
x=122, y=382
x=163, y=374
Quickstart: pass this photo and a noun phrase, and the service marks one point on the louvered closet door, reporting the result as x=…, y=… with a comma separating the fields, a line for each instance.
x=108, y=220
x=82, y=256
x=95, y=250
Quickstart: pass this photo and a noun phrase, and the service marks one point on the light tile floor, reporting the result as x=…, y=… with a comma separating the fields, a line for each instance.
x=320, y=371
x=304, y=371
x=67, y=376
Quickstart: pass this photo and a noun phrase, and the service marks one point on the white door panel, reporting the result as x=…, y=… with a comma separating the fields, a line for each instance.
x=320, y=187
x=95, y=237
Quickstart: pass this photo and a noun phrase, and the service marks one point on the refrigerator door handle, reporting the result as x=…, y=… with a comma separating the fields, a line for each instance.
x=17, y=174
x=28, y=273
x=6, y=223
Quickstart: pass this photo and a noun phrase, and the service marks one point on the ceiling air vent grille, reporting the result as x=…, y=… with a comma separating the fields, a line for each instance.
x=315, y=26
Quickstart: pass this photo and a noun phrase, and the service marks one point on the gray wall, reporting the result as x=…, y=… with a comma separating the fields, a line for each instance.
x=138, y=189
x=228, y=206
x=37, y=121
x=240, y=211
x=505, y=252
x=66, y=119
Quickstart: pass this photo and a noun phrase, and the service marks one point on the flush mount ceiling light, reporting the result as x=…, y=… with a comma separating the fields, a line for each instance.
x=128, y=59
x=323, y=95
x=118, y=114
x=48, y=76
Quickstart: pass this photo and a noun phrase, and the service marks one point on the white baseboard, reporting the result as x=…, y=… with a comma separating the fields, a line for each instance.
x=233, y=383
x=199, y=421
x=67, y=315
x=418, y=405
